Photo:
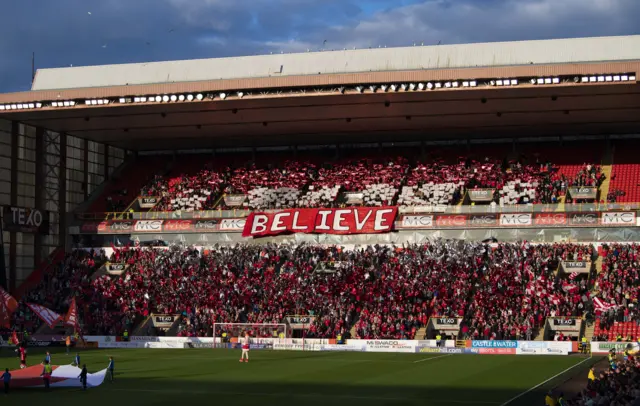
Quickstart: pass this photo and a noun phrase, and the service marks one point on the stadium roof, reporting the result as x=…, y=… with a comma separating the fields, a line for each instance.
x=299, y=107
x=561, y=51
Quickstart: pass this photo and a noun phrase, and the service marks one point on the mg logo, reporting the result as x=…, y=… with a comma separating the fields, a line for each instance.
x=551, y=219
x=417, y=221
x=619, y=218
x=232, y=224
x=515, y=219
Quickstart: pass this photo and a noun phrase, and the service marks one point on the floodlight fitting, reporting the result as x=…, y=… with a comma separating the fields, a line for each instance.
x=87, y=102
x=514, y=82
x=1, y=107
x=394, y=88
x=547, y=81
x=404, y=86
x=632, y=78
x=492, y=82
x=600, y=78
x=384, y=88
x=165, y=98
x=136, y=100
x=173, y=98
x=181, y=98
x=32, y=106
x=447, y=84
x=359, y=89
x=473, y=83
x=144, y=99
x=373, y=88
x=624, y=78
x=66, y=104
x=412, y=86
x=533, y=81
x=438, y=85
x=20, y=106
x=616, y=78
x=190, y=97
x=429, y=85
x=498, y=82
x=608, y=78
x=454, y=84
x=555, y=81
x=592, y=79
x=222, y=96
x=158, y=99
x=584, y=79
x=199, y=96
x=240, y=94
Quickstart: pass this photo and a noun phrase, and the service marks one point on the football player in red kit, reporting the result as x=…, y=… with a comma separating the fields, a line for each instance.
x=23, y=356
x=245, y=348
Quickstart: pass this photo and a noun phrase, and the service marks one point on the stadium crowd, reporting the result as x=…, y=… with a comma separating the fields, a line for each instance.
x=619, y=385
x=368, y=180
x=69, y=279
x=382, y=291
x=617, y=284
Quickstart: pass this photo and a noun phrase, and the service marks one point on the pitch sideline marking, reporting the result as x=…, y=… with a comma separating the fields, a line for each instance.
x=548, y=380
x=318, y=395
x=432, y=358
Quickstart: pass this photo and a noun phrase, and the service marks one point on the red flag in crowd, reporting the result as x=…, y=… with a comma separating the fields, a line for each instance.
x=71, y=319
x=602, y=306
x=8, y=305
x=48, y=316
x=573, y=275
x=14, y=338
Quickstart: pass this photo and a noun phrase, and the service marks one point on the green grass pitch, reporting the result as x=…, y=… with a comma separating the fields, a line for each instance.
x=156, y=377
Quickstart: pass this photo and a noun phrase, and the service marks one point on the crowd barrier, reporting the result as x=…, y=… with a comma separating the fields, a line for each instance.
x=484, y=347
x=603, y=347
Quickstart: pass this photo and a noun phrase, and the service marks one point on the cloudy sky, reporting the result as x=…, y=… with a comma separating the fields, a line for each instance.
x=92, y=32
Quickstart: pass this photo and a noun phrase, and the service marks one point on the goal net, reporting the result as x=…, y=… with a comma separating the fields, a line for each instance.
x=230, y=333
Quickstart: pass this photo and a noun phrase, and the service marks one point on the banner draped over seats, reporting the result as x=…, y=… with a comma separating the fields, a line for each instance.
x=355, y=220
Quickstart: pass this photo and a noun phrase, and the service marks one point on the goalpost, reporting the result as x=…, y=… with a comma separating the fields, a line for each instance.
x=229, y=333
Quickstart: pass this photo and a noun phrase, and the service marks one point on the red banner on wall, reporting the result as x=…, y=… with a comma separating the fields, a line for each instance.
x=355, y=220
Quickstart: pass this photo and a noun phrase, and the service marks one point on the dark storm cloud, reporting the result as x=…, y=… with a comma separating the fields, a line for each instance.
x=63, y=32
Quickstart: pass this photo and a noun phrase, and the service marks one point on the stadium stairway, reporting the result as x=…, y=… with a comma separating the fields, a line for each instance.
x=540, y=336
x=598, y=264
x=353, y=331
x=421, y=333
x=607, y=170
x=144, y=328
x=589, y=329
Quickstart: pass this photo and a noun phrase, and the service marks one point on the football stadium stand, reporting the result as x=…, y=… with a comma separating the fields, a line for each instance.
x=492, y=185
